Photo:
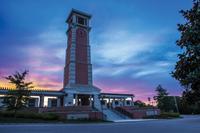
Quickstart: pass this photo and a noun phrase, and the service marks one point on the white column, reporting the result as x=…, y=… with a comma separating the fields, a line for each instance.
x=1, y=101
x=49, y=102
x=97, y=103
x=58, y=101
x=132, y=103
x=113, y=103
x=72, y=65
x=41, y=101
x=124, y=102
x=90, y=100
x=68, y=100
x=36, y=102
x=76, y=99
x=109, y=105
x=120, y=102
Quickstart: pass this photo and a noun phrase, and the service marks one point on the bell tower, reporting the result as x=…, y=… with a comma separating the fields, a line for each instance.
x=78, y=67
x=78, y=84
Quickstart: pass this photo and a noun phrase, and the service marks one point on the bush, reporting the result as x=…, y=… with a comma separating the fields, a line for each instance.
x=168, y=115
x=6, y=114
x=50, y=116
x=28, y=115
x=164, y=115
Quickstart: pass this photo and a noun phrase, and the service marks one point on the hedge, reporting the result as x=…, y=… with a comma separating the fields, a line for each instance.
x=164, y=115
x=30, y=115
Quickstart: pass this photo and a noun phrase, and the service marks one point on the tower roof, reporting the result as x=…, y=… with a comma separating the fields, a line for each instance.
x=74, y=11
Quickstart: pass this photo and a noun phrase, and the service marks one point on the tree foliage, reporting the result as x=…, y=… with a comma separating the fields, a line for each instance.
x=18, y=97
x=162, y=99
x=187, y=68
x=161, y=92
x=186, y=108
x=139, y=103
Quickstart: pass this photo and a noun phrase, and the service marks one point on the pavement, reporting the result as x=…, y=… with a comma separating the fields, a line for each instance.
x=188, y=124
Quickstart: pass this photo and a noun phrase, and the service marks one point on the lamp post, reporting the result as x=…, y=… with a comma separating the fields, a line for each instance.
x=176, y=105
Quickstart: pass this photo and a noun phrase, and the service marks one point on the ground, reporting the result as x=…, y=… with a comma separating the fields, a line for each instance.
x=189, y=124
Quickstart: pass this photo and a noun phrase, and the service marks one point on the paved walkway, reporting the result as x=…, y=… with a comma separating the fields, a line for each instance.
x=189, y=124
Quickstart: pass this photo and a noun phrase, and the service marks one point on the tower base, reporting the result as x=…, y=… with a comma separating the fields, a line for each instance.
x=82, y=95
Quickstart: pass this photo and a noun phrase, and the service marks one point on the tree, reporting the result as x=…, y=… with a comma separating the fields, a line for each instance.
x=186, y=108
x=161, y=98
x=18, y=98
x=139, y=103
x=187, y=68
x=149, y=99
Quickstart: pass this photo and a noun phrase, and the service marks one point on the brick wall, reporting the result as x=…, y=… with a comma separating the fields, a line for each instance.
x=81, y=57
x=137, y=112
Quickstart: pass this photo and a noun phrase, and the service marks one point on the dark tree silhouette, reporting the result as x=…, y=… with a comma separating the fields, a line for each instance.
x=160, y=98
x=139, y=103
x=187, y=69
x=18, y=97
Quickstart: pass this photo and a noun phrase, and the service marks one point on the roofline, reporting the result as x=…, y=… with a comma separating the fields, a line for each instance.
x=117, y=94
x=78, y=12
x=4, y=91
x=35, y=90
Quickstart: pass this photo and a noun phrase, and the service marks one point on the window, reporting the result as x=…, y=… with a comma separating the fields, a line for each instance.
x=81, y=20
x=31, y=102
x=70, y=20
x=128, y=102
x=103, y=102
x=54, y=103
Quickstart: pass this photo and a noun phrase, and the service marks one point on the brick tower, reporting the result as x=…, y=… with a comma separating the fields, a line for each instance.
x=78, y=68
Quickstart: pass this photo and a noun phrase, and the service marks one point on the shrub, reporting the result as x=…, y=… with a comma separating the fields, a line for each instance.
x=50, y=116
x=169, y=115
x=30, y=115
x=6, y=114
x=164, y=115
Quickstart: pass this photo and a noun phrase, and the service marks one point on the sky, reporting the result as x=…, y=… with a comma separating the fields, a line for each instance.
x=132, y=42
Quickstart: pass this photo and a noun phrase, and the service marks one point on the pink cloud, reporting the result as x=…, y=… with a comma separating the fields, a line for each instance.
x=49, y=68
x=141, y=91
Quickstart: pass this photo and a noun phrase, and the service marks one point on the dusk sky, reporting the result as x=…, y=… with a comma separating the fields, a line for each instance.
x=132, y=42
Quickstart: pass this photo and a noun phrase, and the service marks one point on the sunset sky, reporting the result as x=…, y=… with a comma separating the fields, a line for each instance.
x=132, y=42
